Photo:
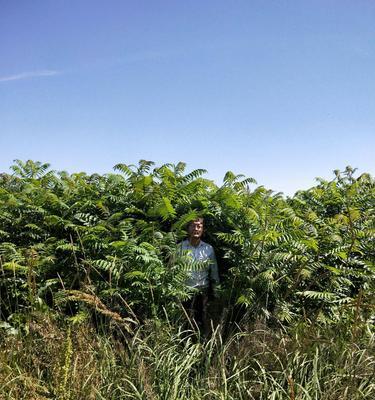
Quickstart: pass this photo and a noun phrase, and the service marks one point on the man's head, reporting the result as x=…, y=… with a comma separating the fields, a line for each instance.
x=195, y=230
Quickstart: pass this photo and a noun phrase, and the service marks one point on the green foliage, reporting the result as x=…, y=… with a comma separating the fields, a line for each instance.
x=104, y=248
x=115, y=236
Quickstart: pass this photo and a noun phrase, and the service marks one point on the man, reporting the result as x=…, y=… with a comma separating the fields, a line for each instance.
x=204, y=276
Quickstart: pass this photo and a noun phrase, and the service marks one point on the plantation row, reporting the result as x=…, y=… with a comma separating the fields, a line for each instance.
x=108, y=242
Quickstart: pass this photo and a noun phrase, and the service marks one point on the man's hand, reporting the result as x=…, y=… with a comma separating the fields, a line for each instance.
x=216, y=289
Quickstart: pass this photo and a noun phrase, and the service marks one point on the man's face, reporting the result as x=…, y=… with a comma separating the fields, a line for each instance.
x=195, y=229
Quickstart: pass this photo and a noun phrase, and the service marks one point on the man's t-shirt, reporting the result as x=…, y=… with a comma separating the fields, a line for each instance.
x=201, y=275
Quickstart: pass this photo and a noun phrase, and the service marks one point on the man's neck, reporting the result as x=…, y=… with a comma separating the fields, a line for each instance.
x=194, y=241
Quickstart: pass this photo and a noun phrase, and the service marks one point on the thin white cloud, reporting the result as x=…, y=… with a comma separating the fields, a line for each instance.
x=28, y=75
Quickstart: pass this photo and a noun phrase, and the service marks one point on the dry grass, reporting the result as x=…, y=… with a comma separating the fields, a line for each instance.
x=72, y=362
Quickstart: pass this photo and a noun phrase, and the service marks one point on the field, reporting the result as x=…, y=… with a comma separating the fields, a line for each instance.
x=92, y=286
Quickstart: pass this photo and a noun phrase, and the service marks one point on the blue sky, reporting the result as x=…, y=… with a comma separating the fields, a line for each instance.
x=283, y=91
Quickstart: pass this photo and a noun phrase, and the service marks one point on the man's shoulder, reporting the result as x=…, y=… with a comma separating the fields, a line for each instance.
x=186, y=243
x=206, y=245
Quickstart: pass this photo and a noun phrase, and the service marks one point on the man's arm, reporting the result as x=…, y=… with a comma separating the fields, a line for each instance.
x=214, y=271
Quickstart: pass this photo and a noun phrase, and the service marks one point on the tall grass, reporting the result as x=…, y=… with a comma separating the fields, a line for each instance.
x=160, y=361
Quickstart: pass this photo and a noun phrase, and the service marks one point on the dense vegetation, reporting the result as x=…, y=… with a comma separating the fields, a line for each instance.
x=91, y=286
